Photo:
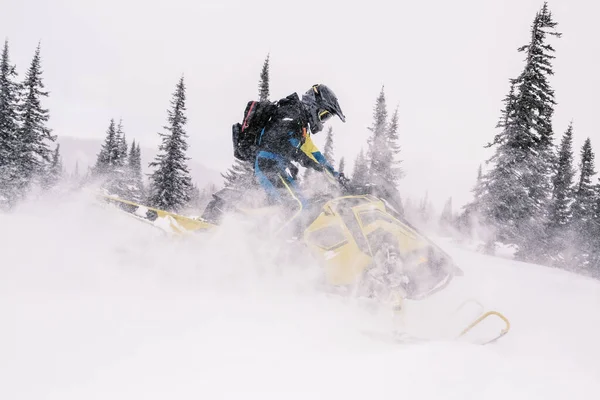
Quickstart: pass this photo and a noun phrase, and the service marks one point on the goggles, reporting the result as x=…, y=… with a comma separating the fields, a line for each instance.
x=324, y=115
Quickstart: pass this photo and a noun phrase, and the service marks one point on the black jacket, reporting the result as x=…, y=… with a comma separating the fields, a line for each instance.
x=287, y=133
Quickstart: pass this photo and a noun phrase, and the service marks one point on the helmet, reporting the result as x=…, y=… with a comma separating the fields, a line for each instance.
x=321, y=104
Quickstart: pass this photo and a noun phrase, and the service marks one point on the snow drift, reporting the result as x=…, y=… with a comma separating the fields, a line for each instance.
x=96, y=305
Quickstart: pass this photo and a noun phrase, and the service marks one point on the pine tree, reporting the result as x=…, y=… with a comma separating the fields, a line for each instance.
x=134, y=160
x=425, y=208
x=119, y=182
x=395, y=172
x=472, y=209
x=138, y=166
x=360, y=174
x=379, y=155
x=535, y=91
x=35, y=155
x=196, y=200
x=201, y=199
x=342, y=165
x=328, y=148
x=135, y=186
x=562, y=198
x=535, y=108
x=121, y=149
x=112, y=163
x=447, y=217
x=384, y=167
x=109, y=152
x=472, y=212
x=584, y=193
x=505, y=203
x=560, y=211
x=584, y=208
x=263, y=84
x=55, y=171
x=170, y=182
x=383, y=171
x=240, y=176
x=517, y=190
x=9, y=126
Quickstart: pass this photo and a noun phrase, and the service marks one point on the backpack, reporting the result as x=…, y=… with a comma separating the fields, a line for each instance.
x=246, y=135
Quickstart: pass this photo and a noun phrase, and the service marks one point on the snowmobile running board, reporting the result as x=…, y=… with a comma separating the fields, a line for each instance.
x=481, y=318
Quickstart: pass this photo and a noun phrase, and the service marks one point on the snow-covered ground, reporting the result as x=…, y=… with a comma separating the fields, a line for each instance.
x=96, y=305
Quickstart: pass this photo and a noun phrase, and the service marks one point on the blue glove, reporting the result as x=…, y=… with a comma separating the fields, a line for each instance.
x=332, y=170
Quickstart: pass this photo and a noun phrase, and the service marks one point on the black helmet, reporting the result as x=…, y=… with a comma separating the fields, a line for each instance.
x=321, y=103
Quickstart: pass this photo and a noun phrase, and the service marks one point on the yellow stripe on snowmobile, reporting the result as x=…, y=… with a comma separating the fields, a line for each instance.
x=168, y=221
x=300, y=207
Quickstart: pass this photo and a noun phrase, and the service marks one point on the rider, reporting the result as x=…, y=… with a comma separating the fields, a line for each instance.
x=287, y=138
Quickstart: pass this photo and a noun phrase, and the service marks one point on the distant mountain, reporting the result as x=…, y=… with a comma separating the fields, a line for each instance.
x=83, y=153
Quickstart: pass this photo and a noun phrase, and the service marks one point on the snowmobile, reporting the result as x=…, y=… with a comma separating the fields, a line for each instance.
x=366, y=248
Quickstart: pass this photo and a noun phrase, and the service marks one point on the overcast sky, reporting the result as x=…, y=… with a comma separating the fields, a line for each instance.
x=445, y=64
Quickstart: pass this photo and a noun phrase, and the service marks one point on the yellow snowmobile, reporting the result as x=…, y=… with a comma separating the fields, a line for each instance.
x=367, y=249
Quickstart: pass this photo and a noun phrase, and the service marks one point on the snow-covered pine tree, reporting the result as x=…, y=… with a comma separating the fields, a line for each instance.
x=121, y=138
x=239, y=176
x=518, y=187
x=134, y=172
x=473, y=212
x=328, y=148
x=504, y=204
x=584, y=207
x=536, y=107
x=425, y=208
x=170, y=183
x=263, y=84
x=395, y=172
x=55, y=171
x=9, y=126
x=111, y=162
x=560, y=211
x=379, y=154
x=131, y=156
x=201, y=200
x=119, y=180
x=447, y=217
x=139, y=158
x=360, y=173
x=383, y=168
x=562, y=198
x=35, y=155
x=105, y=161
x=342, y=165
x=196, y=200
x=473, y=208
x=534, y=88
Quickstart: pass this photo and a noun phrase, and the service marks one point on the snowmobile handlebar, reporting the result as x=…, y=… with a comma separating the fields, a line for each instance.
x=343, y=181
